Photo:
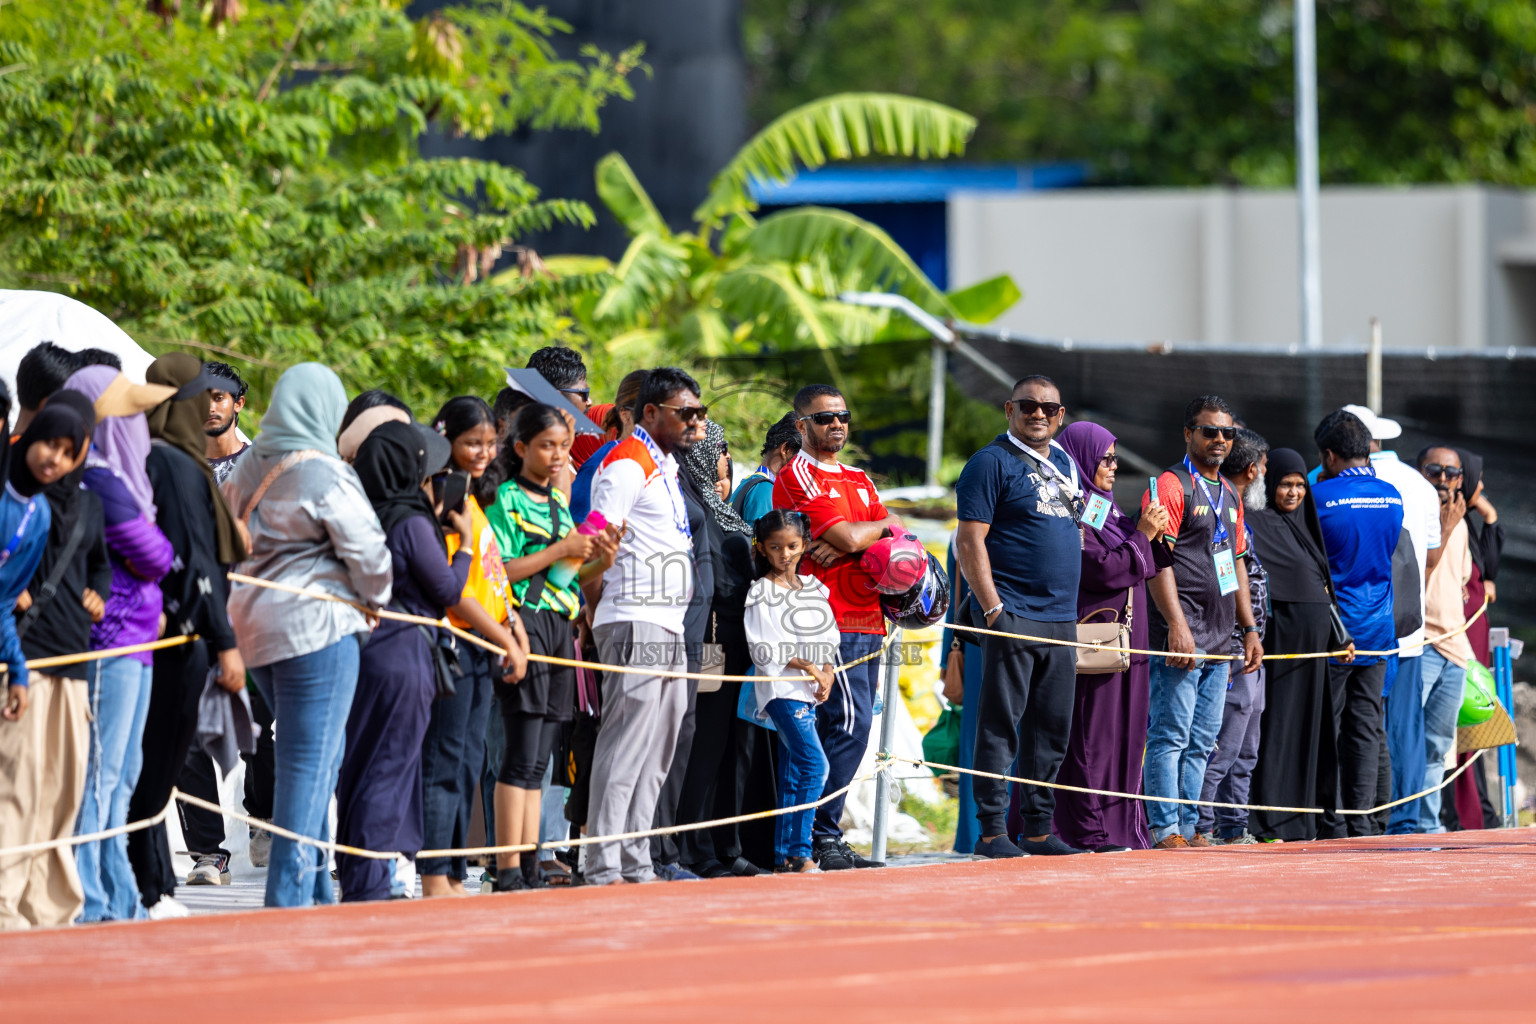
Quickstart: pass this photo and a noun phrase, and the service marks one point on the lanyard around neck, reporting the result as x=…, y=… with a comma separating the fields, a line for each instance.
x=1216, y=503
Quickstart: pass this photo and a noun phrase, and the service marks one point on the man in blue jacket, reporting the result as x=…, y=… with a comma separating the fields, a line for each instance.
x=1362, y=516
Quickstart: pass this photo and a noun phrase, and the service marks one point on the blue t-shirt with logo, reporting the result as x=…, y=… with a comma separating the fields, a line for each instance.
x=1362, y=517
x=1033, y=544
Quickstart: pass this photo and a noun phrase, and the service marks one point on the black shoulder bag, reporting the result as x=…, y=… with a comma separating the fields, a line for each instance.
x=50, y=587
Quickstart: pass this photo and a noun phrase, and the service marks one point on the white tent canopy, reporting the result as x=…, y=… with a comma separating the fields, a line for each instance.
x=27, y=318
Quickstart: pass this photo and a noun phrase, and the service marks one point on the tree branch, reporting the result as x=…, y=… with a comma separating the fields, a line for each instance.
x=293, y=41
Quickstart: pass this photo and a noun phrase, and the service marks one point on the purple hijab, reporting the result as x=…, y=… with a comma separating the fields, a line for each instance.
x=119, y=443
x=1086, y=443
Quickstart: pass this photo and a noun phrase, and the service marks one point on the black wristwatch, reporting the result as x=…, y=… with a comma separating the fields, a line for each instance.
x=1250, y=629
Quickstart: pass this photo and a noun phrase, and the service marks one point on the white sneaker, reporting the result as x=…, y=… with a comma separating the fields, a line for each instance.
x=260, y=848
x=168, y=908
x=211, y=869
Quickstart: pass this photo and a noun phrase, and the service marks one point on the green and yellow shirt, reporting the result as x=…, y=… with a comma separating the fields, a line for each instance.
x=523, y=526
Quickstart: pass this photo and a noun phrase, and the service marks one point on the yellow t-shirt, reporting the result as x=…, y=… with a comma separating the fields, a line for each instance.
x=487, y=581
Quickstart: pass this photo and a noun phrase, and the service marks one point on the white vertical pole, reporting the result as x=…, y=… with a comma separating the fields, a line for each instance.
x=891, y=685
x=1307, y=173
x=1373, y=369
x=935, y=413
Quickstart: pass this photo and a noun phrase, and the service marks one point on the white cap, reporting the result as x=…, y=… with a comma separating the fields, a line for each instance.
x=1381, y=428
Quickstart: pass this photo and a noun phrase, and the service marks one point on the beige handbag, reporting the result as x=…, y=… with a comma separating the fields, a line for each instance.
x=1114, y=633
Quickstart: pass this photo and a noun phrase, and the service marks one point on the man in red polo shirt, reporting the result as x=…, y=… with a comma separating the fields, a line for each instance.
x=846, y=517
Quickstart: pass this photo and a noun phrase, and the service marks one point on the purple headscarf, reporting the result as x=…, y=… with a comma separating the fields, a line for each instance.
x=119, y=443
x=1086, y=443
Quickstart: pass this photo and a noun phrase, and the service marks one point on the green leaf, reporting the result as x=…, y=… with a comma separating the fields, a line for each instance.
x=858, y=252
x=704, y=332
x=770, y=294
x=840, y=127
x=652, y=268
x=623, y=194
x=987, y=300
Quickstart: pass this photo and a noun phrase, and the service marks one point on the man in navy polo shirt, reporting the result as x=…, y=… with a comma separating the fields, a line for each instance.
x=1019, y=503
x=1362, y=516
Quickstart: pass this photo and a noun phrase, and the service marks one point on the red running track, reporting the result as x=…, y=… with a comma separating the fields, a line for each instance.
x=1434, y=929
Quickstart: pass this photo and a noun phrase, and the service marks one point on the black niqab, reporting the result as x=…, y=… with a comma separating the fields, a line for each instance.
x=61, y=416
x=392, y=465
x=1290, y=544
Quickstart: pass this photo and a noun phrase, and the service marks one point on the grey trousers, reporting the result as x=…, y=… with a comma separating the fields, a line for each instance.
x=1229, y=772
x=635, y=744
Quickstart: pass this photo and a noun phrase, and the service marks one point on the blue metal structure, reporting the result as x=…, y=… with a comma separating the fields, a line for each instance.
x=1504, y=688
x=909, y=201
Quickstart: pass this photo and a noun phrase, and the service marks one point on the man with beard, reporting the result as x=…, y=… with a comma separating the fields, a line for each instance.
x=846, y=518
x=1196, y=605
x=1230, y=769
x=225, y=445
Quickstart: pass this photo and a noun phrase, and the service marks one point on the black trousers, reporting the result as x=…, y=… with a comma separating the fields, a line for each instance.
x=719, y=765
x=1024, y=718
x=665, y=849
x=1359, y=730
x=176, y=684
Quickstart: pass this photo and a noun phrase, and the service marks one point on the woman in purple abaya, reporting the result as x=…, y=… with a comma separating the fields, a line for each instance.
x=1109, y=713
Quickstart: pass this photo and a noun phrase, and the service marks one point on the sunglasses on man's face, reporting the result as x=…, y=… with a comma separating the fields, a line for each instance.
x=1028, y=407
x=585, y=394
x=1435, y=470
x=1212, y=433
x=689, y=413
x=826, y=419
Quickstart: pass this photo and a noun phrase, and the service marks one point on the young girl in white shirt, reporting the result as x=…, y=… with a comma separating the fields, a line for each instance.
x=791, y=628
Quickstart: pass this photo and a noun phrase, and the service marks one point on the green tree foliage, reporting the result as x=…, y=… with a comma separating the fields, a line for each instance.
x=1182, y=92
x=736, y=286
x=254, y=189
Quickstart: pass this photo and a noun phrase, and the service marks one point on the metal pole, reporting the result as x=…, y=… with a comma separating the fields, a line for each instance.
x=1307, y=173
x=935, y=413
x=887, y=726
x=1373, y=369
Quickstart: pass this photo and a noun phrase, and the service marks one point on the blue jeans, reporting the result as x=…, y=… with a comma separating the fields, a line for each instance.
x=843, y=721
x=1405, y=740
x=1186, y=708
x=310, y=697
x=119, y=695
x=802, y=774
x=1443, y=682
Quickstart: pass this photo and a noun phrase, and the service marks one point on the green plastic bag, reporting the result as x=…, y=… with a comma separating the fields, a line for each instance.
x=942, y=742
x=1477, y=699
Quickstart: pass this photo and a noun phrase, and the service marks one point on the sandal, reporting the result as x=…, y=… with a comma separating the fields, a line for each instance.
x=556, y=873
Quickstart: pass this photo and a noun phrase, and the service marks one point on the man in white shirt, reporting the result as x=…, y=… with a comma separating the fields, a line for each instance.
x=639, y=622
x=1405, y=708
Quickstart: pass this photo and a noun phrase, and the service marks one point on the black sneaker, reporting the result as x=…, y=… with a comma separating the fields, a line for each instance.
x=829, y=855
x=859, y=860
x=996, y=848
x=743, y=868
x=1111, y=848
x=512, y=881
x=1050, y=846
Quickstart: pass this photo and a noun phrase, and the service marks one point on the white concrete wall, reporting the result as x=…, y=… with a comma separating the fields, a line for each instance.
x=1221, y=265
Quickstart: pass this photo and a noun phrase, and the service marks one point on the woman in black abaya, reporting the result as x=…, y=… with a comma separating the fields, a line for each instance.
x=1296, y=758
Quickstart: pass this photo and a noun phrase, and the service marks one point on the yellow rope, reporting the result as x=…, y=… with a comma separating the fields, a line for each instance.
x=1177, y=800
x=548, y=659
x=1219, y=657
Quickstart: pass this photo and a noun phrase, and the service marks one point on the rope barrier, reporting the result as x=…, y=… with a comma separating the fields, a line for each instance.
x=334, y=847
x=1222, y=657
x=89, y=837
x=549, y=659
x=1189, y=803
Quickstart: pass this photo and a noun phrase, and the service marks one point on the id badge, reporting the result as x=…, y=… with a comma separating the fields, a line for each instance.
x=1097, y=511
x=1226, y=572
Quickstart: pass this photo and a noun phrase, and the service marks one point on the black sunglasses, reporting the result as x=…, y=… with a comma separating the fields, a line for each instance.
x=585, y=394
x=1444, y=472
x=689, y=413
x=826, y=419
x=1028, y=406
x=1212, y=433
x=1110, y=460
